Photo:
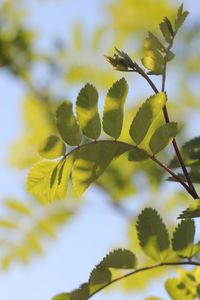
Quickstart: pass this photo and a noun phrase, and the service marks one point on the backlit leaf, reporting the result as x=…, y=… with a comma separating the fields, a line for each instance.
x=163, y=136
x=145, y=116
x=114, y=108
x=63, y=176
x=119, y=259
x=52, y=147
x=152, y=65
x=67, y=124
x=87, y=111
x=41, y=180
x=152, y=234
x=183, y=238
x=92, y=160
x=152, y=42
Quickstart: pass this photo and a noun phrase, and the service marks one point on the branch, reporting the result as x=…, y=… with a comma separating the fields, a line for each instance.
x=192, y=263
x=167, y=120
x=159, y=163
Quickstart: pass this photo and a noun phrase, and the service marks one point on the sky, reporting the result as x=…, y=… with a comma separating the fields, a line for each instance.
x=68, y=261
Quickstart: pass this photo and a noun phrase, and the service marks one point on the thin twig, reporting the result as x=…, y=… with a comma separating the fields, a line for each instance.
x=192, y=263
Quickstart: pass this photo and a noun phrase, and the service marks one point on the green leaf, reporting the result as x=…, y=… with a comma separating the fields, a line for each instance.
x=114, y=108
x=193, y=211
x=41, y=180
x=137, y=155
x=152, y=65
x=152, y=42
x=181, y=16
x=167, y=30
x=63, y=176
x=99, y=277
x=92, y=160
x=163, y=136
x=145, y=116
x=152, y=235
x=62, y=296
x=192, y=148
x=80, y=294
x=183, y=238
x=119, y=259
x=177, y=289
x=87, y=111
x=67, y=125
x=52, y=147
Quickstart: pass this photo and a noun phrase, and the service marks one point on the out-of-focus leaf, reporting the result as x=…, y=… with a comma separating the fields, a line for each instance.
x=167, y=30
x=180, y=18
x=177, y=290
x=17, y=206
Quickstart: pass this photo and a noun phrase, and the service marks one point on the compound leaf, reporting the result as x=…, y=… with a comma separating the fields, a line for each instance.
x=183, y=238
x=119, y=259
x=152, y=234
x=67, y=125
x=114, y=108
x=163, y=136
x=52, y=147
x=87, y=111
x=145, y=116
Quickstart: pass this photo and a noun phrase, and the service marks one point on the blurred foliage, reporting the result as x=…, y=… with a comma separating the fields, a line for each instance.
x=79, y=62
x=26, y=225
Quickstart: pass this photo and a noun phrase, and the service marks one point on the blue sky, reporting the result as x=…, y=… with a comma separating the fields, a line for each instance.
x=78, y=248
